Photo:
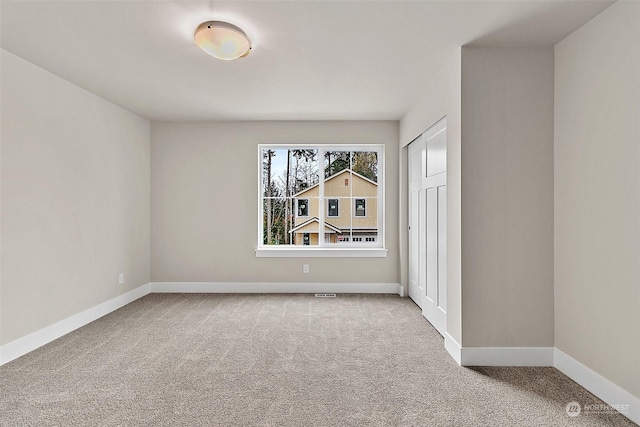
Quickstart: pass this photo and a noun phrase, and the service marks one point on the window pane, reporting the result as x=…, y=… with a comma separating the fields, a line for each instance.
x=301, y=238
x=286, y=172
x=366, y=227
x=361, y=207
x=303, y=169
x=276, y=182
x=365, y=163
x=335, y=162
x=337, y=220
x=309, y=224
x=276, y=220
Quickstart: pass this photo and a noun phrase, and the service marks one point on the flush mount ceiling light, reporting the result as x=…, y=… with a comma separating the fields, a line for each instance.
x=222, y=40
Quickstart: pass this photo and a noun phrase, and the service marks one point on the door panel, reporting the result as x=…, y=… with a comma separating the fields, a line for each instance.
x=415, y=292
x=442, y=248
x=432, y=245
x=437, y=153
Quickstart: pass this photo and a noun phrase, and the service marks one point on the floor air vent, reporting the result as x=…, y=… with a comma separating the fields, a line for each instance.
x=325, y=295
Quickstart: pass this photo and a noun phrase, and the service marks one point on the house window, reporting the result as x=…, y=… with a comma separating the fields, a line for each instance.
x=332, y=207
x=318, y=196
x=361, y=207
x=303, y=207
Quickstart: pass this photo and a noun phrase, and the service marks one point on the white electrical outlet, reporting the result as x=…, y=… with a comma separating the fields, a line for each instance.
x=121, y=279
x=305, y=268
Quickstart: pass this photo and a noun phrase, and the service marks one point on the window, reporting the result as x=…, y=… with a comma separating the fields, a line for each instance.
x=318, y=197
x=303, y=207
x=332, y=209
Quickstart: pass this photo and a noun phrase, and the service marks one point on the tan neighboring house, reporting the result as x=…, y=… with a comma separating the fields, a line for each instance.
x=350, y=211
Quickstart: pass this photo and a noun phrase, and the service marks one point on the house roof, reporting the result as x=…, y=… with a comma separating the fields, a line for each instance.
x=315, y=219
x=335, y=175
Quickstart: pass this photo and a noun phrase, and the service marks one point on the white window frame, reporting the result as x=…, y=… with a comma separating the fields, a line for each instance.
x=351, y=249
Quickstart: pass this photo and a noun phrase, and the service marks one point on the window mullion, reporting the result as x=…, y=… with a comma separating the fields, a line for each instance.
x=380, y=199
x=321, y=203
x=352, y=210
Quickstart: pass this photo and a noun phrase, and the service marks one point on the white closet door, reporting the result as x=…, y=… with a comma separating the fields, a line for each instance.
x=428, y=224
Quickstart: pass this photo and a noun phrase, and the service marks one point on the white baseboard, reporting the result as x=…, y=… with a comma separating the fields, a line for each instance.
x=28, y=343
x=606, y=390
x=454, y=349
x=506, y=356
x=271, y=288
x=610, y=393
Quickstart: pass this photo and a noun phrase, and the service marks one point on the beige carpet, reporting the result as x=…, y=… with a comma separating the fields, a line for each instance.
x=275, y=360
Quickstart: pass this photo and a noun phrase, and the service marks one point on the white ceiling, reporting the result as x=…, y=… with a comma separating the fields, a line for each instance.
x=333, y=60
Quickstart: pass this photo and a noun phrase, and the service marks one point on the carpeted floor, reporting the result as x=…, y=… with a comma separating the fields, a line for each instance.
x=275, y=360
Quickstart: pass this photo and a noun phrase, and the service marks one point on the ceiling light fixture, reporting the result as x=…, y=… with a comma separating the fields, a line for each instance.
x=222, y=40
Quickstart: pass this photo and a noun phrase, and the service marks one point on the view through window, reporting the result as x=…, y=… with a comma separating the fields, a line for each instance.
x=321, y=196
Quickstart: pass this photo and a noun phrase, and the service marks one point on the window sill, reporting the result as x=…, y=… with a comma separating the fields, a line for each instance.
x=321, y=253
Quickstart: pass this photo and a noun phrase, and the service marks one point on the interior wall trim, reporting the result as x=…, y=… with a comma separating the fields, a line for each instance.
x=611, y=393
x=507, y=356
x=34, y=340
x=454, y=349
x=276, y=287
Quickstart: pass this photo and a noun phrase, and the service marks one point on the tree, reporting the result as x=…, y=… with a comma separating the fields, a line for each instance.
x=267, y=159
x=366, y=164
x=336, y=162
x=305, y=172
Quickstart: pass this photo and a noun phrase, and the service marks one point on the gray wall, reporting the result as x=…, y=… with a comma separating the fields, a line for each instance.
x=75, y=199
x=204, y=202
x=499, y=108
x=597, y=195
x=507, y=197
x=440, y=98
